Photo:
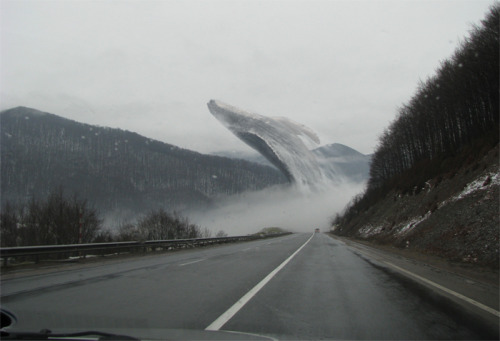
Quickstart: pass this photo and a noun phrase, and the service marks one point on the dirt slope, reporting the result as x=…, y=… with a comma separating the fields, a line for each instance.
x=455, y=216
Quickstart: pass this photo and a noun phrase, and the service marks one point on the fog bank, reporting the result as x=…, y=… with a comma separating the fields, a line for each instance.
x=289, y=207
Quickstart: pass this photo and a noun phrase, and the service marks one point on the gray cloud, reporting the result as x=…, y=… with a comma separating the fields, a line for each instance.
x=339, y=67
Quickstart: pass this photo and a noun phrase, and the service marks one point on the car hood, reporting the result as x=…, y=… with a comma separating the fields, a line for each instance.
x=159, y=334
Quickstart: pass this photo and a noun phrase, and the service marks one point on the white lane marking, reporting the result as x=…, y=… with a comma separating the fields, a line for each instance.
x=438, y=286
x=192, y=262
x=228, y=314
x=248, y=248
x=449, y=291
x=252, y=334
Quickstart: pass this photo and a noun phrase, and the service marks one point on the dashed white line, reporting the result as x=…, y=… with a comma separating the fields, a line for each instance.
x=192, y=262
x=228, y=314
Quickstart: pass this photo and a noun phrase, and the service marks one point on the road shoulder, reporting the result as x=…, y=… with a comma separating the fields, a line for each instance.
x=475, y=291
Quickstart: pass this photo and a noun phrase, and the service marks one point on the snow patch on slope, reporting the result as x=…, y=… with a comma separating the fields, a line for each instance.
x=370, y=230
x=412, y=223
x=482, y=183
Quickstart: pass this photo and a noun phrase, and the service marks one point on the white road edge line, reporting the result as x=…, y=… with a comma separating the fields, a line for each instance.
x=449, y=291
x=439, y=286
x=228, y=314
x=192, y=262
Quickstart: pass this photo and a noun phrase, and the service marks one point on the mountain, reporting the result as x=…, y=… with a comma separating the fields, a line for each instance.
x=340, y=161
x=117, y=170
x=245, y=155
x=336, y=160
x=339, y=152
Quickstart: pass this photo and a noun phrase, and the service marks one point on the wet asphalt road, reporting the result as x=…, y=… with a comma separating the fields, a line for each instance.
x=325, y=291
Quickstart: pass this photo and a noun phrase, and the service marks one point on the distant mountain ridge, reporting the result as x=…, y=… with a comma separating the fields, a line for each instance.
x=338, y=150
x=340, y=161
x=115, y=169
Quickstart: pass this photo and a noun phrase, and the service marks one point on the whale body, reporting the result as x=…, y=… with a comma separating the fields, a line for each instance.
x=278, y=139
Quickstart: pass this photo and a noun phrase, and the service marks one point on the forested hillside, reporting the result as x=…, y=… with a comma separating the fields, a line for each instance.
x=115, y=170
x=452, y=109
x=434, y=175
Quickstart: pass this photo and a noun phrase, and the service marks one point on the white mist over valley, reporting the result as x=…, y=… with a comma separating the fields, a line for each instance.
x=293, y=208
x=317, y=188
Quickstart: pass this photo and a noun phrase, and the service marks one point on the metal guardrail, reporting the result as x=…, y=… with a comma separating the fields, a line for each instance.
x=102, y=249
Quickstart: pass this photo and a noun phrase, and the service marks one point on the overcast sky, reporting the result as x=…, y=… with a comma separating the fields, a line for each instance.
x=340, y=67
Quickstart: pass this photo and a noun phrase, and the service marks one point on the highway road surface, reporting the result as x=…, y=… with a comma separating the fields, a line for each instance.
x=300, y=286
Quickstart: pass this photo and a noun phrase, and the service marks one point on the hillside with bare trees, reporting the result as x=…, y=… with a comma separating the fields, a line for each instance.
x=434, y=176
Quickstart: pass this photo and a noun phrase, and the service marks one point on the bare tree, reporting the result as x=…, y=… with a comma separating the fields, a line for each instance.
x=55, y=220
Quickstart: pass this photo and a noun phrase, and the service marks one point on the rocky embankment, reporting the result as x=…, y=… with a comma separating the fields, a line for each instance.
x=455, y=216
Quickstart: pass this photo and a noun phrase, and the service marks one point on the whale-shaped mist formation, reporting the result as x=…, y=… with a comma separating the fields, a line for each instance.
x=278, y=139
